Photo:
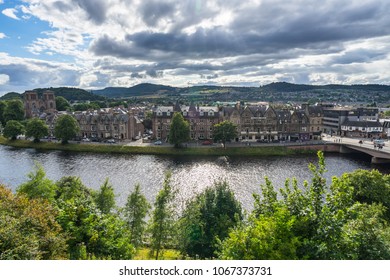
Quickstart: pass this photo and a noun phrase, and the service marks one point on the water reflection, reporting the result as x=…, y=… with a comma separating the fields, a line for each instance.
x=189, y=174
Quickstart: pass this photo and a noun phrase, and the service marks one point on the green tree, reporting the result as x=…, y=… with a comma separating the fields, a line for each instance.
x=66, y=128
x=207, y=220
x=162, y=227
x=38, y=185
x=179, y=131
x=105, y=198
x=14, y=110
x=92, y=234
x=12, y=129
x=2, y=109
x=321, y=222
x=224, y=131
x=136, y=210
x=37, y=129
x=264, y=237
x=28, y=229
x=370, y=186
x=62, y=104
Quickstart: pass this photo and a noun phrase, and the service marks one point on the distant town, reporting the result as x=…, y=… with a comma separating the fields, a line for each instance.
x=255, y=121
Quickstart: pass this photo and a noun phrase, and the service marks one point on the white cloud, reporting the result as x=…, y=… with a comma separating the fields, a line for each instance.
x=10, y=13
x=4, y=79
x=116, y=42
x=2, y=35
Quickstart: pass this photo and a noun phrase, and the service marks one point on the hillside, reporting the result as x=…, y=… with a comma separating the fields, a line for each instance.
x=138, y=90
x=274, y=92
x=72, y=94
x=11, y=95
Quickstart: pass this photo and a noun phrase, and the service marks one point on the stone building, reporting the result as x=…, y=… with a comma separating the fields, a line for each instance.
x=266, y=124
x=110, y=123
x=35, y=105
x=201, y=120
x=315, y=114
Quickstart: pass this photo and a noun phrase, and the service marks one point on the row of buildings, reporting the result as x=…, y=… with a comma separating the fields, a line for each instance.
x=264, y=123
x=111, y=123
x=255, y=122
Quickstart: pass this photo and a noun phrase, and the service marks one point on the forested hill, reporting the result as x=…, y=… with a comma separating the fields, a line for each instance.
x=138, y=90
x=288, y=87
x=70, y=94
x=281, y=87
x=280, y=91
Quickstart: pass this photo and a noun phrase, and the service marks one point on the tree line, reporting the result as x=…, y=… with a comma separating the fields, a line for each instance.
x=346, y=219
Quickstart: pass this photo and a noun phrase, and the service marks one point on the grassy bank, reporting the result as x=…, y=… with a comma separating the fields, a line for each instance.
x=156, y=150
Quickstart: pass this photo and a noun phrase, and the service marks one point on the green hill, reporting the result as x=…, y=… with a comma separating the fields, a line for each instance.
x=72, y=94
x=138, y=90
x=11, y=95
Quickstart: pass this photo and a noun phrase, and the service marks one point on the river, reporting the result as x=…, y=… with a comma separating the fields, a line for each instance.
x=190, y=175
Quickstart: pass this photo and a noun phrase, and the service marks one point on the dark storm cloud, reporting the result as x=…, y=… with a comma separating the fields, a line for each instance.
x=95, y=9
x=22, y=74
x=137, y=76
x=153, y=11
x=359, y=56
x=154, y=73
x=62, y=6
x=108, y=46
x=267, y=29
x=252, y=39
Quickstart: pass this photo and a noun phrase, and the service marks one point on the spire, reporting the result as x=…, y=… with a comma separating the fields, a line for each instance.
x=177, y=108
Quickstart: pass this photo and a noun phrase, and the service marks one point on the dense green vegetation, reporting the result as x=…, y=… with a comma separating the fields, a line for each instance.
x=224, y=131
x=66, y=128
x=13, y=129
x=345, y=219
x=36, y=129
x=179, y=131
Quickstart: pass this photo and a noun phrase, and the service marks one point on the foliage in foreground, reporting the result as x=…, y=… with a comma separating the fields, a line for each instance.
x=315, y=222
x=347, y=219
x=207, y=220
x=28, y=228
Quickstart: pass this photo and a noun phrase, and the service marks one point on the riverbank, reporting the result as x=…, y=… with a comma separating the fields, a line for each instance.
x=160, y=150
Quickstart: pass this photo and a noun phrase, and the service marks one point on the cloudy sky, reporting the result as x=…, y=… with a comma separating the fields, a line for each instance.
x=98, y=43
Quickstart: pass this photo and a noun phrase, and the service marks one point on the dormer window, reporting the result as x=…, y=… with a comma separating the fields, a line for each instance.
x=211, y=113
x=201, y=113
x=184, y=113
x=159, y=113
x=168, y=113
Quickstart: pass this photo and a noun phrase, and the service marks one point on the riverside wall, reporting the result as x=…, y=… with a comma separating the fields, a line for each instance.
x=332, y=148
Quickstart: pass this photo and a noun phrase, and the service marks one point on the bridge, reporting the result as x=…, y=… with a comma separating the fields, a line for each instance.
x=349, y=145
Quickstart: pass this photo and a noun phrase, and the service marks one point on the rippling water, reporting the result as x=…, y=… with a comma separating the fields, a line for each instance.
x=189, y=175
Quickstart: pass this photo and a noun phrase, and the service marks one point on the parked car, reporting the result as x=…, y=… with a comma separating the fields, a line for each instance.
x=86, y=140
x=111, y=141
x=379, y=143
x=158, y=142
x=207, y=142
